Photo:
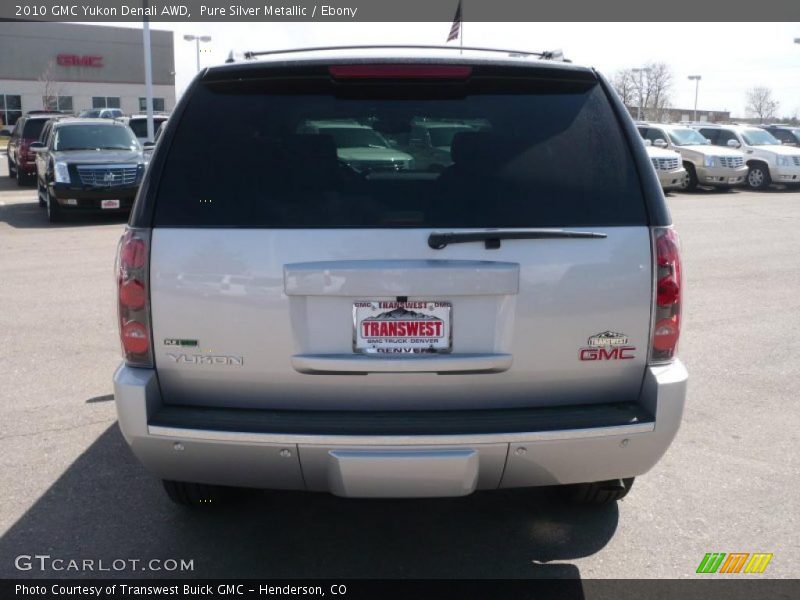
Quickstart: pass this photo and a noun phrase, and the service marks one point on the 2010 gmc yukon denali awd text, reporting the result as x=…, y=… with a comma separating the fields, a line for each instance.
x=318, y=308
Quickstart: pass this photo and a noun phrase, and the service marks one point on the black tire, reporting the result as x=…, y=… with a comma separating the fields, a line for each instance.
x=186, y=493
x=11, y=172
x=55, y=214
x=599, y=492
x=690, y=183
x=758, y=177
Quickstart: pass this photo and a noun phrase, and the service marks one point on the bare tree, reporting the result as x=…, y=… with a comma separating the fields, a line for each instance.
x=50, y=88
x=626, y=86
x=656, y=91
x=649, y=88
x=761, y=104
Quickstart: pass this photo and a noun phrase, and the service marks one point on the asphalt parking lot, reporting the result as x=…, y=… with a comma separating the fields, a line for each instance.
x=71, y=489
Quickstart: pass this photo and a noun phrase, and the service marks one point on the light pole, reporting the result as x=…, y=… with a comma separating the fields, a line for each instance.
x=148, y=79
x=696, y=79
x=640, y=71
x=197, y=39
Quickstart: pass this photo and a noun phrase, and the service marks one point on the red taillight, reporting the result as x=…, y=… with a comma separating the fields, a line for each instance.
x=666, y=333
x=133, y=253
x=392, y=71
x=667, y=291
x=667, y=321
x=135, y=338
x=132, y=296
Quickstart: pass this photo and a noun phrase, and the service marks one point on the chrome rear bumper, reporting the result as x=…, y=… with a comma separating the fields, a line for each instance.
x=396, y=462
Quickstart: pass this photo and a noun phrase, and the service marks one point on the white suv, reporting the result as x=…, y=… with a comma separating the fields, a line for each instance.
x=508, y=321
x=705, y=165
x=138, y=123
x=767, y=160
x=668, y=165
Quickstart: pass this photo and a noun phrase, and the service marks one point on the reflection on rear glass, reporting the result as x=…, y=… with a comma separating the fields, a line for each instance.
x=322, y=160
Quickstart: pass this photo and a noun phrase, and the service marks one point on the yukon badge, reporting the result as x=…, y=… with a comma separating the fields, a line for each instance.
x=206, y=359
x=608, y=345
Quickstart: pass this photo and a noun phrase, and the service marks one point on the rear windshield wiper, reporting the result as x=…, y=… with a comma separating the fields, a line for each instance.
x=438, y=240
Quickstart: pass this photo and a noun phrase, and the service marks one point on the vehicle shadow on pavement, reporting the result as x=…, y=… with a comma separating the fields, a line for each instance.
x=9, y=184
x=703, y=191
x=727, y=192
x=29, y=215
x=105, y=506
x=781, y=189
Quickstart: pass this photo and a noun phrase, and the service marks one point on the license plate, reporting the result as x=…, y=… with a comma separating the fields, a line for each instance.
x=109, y=203
x=413, y=327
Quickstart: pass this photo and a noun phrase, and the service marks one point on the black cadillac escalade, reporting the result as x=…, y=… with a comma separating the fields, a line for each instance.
x=88, y=165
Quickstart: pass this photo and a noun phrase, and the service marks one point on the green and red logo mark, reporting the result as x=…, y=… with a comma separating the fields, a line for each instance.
x=735, y=562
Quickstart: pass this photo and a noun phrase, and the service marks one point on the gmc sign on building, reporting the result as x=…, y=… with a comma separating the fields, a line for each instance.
x=86, y=66
x=75, y=60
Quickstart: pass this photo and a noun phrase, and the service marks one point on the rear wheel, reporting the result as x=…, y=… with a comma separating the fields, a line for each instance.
x=11, y=172
x=598, y=492
x=690, y=181
x=194, y=494
x=758, y=178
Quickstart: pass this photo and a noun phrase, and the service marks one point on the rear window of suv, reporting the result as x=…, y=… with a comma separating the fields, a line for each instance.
x=33, y=128
x=139, y=126
x=538, y=154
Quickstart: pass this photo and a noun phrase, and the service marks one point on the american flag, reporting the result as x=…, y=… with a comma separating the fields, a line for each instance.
x=455, y=30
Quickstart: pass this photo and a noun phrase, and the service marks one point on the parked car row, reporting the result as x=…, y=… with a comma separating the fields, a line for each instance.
x=723, y=156
x=116, y=152
x=78, y=164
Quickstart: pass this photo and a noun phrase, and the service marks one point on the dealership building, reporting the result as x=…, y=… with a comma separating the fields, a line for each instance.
x=70, y=67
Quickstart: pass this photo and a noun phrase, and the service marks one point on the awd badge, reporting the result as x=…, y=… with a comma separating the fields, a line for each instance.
x=179, y=342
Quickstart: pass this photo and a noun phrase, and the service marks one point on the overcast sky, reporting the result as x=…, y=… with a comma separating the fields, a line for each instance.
x=730, y=57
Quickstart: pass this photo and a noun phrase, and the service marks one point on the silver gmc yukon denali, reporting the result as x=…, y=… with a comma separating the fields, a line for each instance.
x=290, y=320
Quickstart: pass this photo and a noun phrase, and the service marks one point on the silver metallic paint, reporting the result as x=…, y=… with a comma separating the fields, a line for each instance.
x=271, y=296
x=258, y=460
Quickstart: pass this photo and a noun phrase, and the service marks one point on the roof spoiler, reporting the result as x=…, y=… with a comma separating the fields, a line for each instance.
x=554, y=55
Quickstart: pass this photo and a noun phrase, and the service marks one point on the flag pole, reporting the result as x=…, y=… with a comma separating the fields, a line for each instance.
x=457, y=29
x=461, y=33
